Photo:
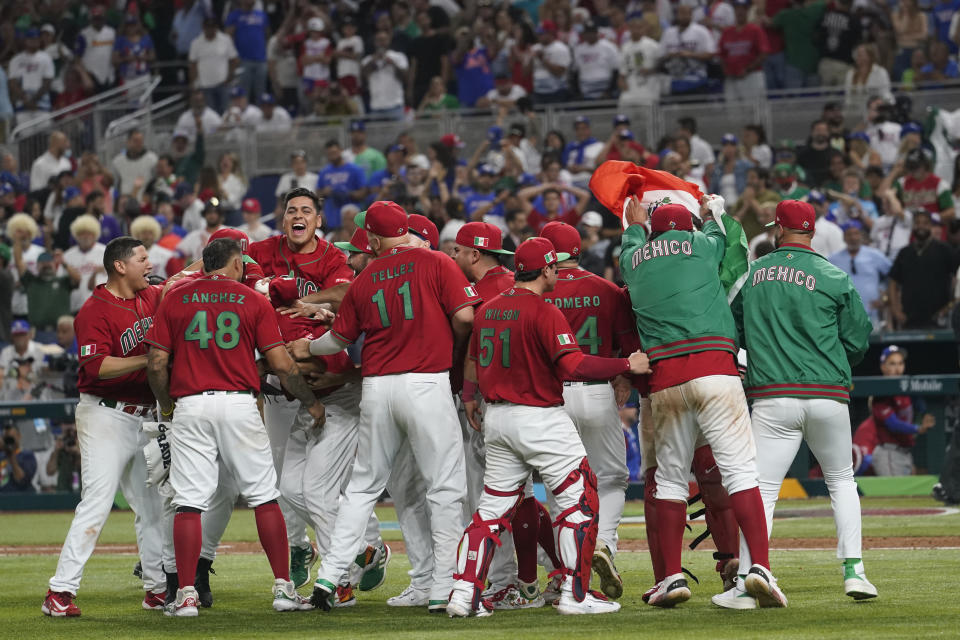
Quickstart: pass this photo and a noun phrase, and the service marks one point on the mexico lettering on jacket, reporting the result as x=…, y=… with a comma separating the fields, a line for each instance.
x=780, y=273
x=660, y=248
x=131, y=338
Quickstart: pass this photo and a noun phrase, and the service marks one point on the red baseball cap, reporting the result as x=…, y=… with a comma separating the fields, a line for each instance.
x=251, y=205
x=670, y=217
x=424, y=228
x=537, y=253
x=451, y=140
x=482, y=236
x=206, y=194
x=358, y=243
x=232, y=234
x=795, y=214
x=386, y=218
x=284, y=291
x=563, y=237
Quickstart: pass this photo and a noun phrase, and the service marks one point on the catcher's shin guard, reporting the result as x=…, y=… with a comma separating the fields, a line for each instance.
x=577, y=534
x=479, y=541
x=721, y=522
x=650, y=523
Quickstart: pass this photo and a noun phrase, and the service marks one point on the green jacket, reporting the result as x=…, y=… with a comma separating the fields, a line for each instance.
x=679, y=302
x=803, y=326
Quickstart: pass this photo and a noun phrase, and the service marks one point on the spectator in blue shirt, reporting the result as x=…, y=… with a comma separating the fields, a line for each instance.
x=482, y=200
x=187, y=24
x=133, y=50
x=849, y=205
x=388, y=183
x=17, y=467
x=940, y=67
x=471, y=63
x=248, y=27
x=942, y=15
x=339, y=183
x=867, y=268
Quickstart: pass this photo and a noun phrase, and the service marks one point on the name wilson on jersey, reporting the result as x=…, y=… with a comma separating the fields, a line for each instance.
x=660, y=248
x=779, y=273
x=131, y=338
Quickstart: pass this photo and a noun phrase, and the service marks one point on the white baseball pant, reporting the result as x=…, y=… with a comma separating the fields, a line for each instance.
x=279, y=416
x=414, y=407
x=593, y=409
x=330, y=452
x=408, y=490
x=111, y=457
x=716, y=407
x=892, y=460
x=215, y=429
x=779, y=425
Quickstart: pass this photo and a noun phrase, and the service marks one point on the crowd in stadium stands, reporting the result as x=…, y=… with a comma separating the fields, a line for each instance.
x=885, y=215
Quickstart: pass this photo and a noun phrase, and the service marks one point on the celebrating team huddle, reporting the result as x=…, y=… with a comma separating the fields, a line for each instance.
x=469, y=379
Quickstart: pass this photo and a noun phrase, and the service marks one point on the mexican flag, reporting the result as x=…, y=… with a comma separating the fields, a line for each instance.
x=566, y=338
x=614, y=182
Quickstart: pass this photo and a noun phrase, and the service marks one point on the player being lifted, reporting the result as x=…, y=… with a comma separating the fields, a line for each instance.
x=523, y=349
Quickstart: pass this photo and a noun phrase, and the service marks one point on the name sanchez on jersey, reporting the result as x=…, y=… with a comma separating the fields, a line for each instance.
x=235, y=298
x=780, y=273
x=660, y=248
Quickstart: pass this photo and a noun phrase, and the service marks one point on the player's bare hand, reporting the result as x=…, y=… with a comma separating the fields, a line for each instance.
x=634, y=212
x=711, y=206
x=319, y=413
x=299, y=349
x=474, y=417
x=928, y=422
x=621, y=390
x=639, y=362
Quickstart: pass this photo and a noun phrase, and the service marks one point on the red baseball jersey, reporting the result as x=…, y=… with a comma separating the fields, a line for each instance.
x=596, y=309
x=110, y=326
x=493, y=283
x=403, y=302
x=883, y=408
x=320, y=269
x=211, y=329
x=517, y=339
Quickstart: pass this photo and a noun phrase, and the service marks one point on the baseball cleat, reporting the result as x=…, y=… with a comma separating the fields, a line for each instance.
x=761, y=584
x=459, y=607
x=323, y=593
x=511, y=598
x=671, y=592
x=410, y=597
x=301, y=561
x=344, y=596
x=185, y=605
x=375, y=561
x=286, y=598
x=60, y=604
x=202, y=582
x=649, y=592
x=736, y=597
x=610, y=583
x=154, y=600
x=593, y=603
x=855, y=583
x=551, y=595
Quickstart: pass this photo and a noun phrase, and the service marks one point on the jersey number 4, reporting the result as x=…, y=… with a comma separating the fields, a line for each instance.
x=380, y=300
x=487, y=347
x=226, y=336
x=588, y=336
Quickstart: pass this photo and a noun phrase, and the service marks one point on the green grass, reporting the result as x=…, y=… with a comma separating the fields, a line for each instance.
x=915, y=593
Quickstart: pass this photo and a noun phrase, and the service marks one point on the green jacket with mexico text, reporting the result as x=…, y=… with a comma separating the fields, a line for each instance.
x=803, y=326
x=679, y=303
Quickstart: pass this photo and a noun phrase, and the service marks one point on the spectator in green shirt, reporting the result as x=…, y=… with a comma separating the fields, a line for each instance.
x=437, y=98
x=360, y=154
x=48, y=295
x=798, y=25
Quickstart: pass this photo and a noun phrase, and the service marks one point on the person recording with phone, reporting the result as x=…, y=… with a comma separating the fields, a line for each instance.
x=17, y=467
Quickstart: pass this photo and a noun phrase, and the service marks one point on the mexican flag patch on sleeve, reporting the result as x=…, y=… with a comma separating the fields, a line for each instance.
x=566, y=338
x=470, y=291
x=88, y=350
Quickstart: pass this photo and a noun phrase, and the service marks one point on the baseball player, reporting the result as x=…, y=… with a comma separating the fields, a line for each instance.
x=599, y=315
x=893, y=416
x=513, y=585
x=799, y=379
x=416, y=310
x=210, y=329
x=521, y=349
x=322, y=276
x=114, y=398
x=686, y=328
